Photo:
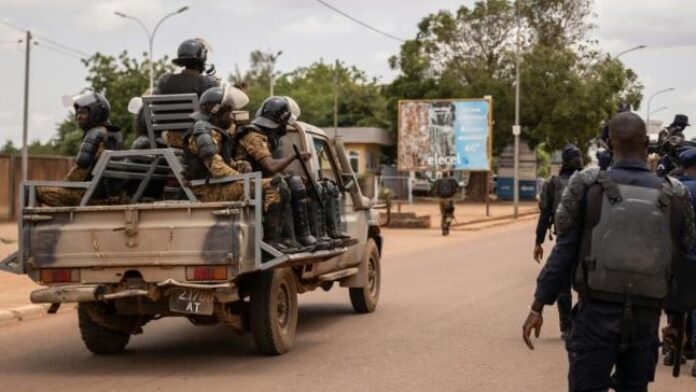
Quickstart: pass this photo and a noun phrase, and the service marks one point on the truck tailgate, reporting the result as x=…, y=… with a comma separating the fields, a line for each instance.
x=135, y=235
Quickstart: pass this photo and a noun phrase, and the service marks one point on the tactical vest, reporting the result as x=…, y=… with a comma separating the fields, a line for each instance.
x=628, y=245
x=185, y=83
x=195, y=168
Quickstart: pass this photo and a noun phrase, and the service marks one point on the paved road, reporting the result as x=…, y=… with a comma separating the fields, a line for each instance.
x=448, y=320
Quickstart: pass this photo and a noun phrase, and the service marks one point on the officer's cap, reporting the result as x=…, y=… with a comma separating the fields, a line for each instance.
x=687, y=158
x=681, y=119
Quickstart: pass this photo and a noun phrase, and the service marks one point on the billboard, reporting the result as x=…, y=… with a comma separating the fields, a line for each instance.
x=445, y=135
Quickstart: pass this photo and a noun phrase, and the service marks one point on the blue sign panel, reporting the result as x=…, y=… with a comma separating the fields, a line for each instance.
x=504, y=189
x=471, y=135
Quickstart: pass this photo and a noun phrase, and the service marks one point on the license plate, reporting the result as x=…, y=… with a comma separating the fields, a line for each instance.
x=191, y=301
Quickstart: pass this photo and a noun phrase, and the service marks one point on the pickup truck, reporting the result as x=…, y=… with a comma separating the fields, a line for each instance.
x=126, y=264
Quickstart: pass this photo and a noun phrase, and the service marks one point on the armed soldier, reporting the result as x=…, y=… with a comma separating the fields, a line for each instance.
x=550, y=198
x=92, y=112
x=671, y=141
x=620, y=262
x=191, y=56
x=256, y=143
x=208, y=154
x=445, y=188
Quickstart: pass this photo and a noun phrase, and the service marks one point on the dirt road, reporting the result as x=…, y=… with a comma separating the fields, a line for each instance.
x=449, y=319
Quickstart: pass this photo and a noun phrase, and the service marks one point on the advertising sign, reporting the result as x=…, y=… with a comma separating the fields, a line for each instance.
x=445, y=135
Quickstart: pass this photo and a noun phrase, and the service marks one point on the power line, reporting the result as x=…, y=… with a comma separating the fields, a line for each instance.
x=56, y=50
x=358, y=21
x=48, y=40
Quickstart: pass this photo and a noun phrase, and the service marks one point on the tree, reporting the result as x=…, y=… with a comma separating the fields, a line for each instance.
x=360, y=99
x=567, y=88
x=119, y=78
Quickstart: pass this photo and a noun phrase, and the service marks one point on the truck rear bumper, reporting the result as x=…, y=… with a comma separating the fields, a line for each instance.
x=224, y=292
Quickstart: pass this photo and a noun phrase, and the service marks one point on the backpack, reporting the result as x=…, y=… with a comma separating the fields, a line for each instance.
x=447, y=188
x=628, y=246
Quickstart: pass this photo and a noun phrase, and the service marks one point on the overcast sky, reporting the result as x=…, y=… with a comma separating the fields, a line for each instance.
x=306, y=31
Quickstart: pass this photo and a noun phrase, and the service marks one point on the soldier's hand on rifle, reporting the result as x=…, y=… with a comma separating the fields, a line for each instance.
x=534, y=322
x=538, y=253
x=304, y=155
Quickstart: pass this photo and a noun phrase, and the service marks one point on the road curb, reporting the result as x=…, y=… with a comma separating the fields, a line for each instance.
x=26, y=312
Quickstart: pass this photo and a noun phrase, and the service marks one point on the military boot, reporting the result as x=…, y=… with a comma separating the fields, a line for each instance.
x=288, y=234
x=333, y=218
x=272, y=227
x=298, y=201
x=316, y=226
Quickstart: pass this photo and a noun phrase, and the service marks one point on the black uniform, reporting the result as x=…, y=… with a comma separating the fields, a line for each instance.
x=594, y=347
x=185, y=83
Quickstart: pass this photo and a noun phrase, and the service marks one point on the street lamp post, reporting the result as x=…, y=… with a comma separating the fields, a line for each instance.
x=274, y=58
x=647, y=120
x=151, y=36
x=633, y=49
x=516, y=128
x=657, y=110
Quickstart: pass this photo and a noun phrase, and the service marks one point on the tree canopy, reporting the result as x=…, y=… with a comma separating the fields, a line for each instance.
x=567, y=88
x=360, y=100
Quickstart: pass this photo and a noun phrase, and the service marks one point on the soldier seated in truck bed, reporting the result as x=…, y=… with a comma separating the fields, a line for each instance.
x=92, y=112
x=316, y=222
x=207, y=154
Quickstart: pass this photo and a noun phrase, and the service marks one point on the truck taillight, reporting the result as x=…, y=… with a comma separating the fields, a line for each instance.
x=60, y=275
x=207, y=272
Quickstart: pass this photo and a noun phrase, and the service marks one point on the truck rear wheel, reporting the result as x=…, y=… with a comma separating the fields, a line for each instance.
x=273, y=311
x=99, y=339
x=364, y=299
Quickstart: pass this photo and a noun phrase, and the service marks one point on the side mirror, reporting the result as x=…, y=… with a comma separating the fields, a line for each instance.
x=134, y=105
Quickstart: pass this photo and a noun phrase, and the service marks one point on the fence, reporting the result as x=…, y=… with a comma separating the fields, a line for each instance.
x=40, y=168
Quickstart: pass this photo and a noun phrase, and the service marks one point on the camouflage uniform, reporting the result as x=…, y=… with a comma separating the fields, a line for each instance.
x=253, y=147
x=100, y=139
x=220, y=167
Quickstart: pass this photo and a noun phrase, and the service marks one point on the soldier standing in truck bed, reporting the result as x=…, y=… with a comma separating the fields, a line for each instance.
x=92, y=116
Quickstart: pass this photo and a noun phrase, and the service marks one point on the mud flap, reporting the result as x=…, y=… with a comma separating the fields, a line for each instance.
x=12, y=264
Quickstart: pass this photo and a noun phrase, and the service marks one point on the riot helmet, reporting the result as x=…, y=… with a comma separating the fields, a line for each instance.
x=277, y=112
x=219, y=102
x=97, y=105
x=192, y=52
x=571, y=156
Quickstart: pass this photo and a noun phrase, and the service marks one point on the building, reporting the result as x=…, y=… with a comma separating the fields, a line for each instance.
x=364, y=146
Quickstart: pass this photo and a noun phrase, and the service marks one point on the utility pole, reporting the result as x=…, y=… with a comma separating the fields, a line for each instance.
x=25, y=121
x=516, y=129
x=274, y=58
x=335, y=96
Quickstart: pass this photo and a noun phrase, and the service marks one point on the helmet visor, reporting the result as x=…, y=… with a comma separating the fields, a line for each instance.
x=234, y=97
x=84, y=100
x=294, y=110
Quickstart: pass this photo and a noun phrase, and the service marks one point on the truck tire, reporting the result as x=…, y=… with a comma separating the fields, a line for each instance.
x=273, y=311
x=364, y=299
x=99, y=339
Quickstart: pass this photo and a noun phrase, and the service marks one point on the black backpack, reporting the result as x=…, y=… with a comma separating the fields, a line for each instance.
x=447, y=187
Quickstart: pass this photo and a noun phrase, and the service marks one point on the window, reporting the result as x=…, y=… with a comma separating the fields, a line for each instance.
x=354, y=158
x=327, y=166
x=372, y=161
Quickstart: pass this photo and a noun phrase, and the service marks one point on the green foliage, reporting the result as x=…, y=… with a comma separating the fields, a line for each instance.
x=567, y=89
x=360, y=100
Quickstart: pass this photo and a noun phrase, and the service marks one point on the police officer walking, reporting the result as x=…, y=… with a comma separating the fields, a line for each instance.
x=620, y=264
x=92, y=112
x=445, y=188
x=548, y=202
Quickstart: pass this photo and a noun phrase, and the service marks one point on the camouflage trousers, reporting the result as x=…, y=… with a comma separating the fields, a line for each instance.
x=271, y=192
x=64, y=197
